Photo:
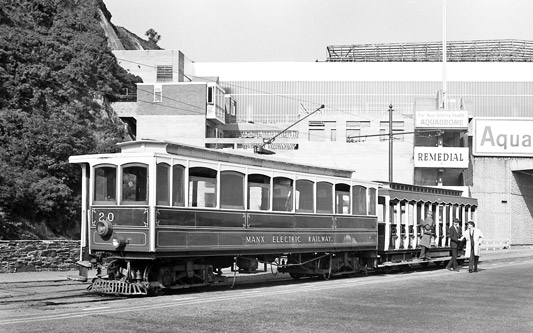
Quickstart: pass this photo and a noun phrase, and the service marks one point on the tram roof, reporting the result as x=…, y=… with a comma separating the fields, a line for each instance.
x=229, y=157
x=407, y=192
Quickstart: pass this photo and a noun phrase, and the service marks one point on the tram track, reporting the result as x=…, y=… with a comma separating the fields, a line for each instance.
x=47, y=294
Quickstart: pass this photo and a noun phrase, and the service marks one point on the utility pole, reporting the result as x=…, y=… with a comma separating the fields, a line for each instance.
x=391, y=137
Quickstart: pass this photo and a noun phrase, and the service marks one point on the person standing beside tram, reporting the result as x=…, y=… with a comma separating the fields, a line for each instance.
x=474, y=237
x=455, y=234
x=427, y=232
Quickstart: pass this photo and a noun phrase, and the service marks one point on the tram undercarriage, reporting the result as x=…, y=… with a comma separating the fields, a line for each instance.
x=151, y=277
x=143, y=277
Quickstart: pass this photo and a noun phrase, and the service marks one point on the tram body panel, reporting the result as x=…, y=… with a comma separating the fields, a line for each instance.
x=211, y=232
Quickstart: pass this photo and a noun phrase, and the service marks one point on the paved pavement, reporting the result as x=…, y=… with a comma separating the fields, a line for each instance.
x=486, y=255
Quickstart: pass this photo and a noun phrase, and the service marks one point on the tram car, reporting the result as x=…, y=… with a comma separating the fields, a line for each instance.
x=161, y=215
x=402, y=211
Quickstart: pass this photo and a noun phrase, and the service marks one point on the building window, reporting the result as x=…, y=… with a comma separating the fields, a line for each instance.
x=397, y=127
x=354, y=130
x=353, y=135
x=316, y=135
x=164, y=74
x=316, y=131
x=210, y=95
x=233, y=107
x=158, y=93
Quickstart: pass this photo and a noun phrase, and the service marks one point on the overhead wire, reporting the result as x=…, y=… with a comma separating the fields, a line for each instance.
x=201, y=111
x=208, y=79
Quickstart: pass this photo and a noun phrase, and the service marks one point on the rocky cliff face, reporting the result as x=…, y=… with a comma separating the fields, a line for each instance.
x=120, y=38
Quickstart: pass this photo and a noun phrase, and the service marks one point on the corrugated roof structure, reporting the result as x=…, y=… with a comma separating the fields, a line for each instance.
x=504, y=50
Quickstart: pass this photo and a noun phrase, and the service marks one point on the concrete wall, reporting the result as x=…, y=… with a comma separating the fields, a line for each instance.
x=177, y=99
x=184, y=129
x=37, y=255
x=505, y=200
x=144, y=62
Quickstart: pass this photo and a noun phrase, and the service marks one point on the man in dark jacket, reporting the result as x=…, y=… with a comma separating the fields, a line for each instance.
x=455, y=233
x=425, y=240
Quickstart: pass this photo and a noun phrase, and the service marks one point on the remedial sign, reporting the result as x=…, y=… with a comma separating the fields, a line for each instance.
x=503, y=137
x=441, y=157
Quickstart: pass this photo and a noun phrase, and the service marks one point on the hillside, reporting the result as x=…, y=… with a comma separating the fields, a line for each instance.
x=120, y=38
x=56, y=74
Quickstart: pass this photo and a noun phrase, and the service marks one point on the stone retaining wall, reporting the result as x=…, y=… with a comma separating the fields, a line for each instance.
x=38, y=255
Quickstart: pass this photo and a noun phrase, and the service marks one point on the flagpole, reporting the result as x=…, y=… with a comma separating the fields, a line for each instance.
x=444, y=54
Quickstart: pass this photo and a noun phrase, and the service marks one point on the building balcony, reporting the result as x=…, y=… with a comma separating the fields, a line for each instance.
x=216, y=113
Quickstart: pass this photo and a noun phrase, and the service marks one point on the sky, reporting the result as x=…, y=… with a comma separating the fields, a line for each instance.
x=301, y=30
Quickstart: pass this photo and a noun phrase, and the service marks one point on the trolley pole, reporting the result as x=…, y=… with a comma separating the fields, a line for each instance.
x=390, y=143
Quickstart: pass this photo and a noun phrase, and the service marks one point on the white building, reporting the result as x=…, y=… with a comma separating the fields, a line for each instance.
x=242, y=105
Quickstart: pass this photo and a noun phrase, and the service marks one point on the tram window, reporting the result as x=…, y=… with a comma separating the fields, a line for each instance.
x=178, y=185
x=304, y=196
x=105, y=185
x=231, y=190
x=135, y=185
x=258, y=192
x=342, y=199
x=282, y=194
x=371, y=201
x=324, y=197
x=202, y=187
x=359, y=200
x=163, y=184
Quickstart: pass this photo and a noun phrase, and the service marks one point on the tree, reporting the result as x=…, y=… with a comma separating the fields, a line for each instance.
x=55, y=69
x=153, y=36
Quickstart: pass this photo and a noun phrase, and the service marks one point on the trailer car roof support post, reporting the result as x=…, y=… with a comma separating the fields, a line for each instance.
x=398, y=221
x=386, y=219
x=437, y=224
x=415, y=224
x=445, y=225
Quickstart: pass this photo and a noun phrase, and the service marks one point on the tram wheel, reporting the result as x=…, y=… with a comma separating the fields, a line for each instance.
x=151, y=274
x=295, y=276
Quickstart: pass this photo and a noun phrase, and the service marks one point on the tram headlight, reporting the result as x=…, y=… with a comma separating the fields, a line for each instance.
x=104, y=228
x=118, y=242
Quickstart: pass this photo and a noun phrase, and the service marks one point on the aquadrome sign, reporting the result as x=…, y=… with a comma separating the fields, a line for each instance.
x=503, y=137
